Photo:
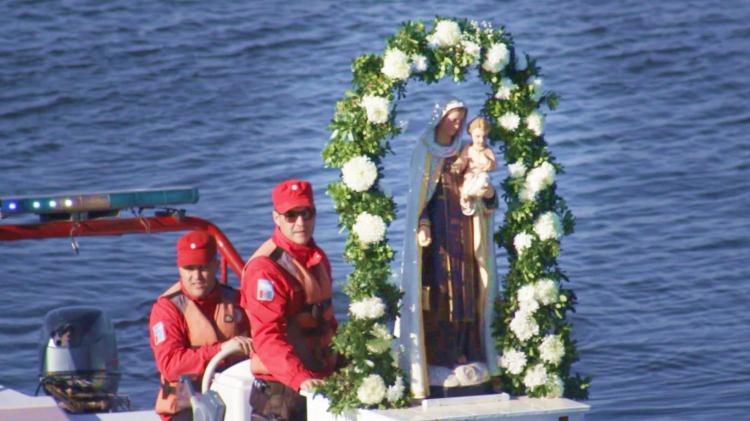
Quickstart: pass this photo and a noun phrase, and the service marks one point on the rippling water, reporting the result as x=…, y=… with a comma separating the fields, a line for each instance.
x=231, y=97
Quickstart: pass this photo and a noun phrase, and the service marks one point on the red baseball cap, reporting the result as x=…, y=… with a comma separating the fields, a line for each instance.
x=290, y=194
x=195, y=248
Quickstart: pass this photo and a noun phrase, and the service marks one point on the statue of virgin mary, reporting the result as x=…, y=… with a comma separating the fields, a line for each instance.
x=448, y=272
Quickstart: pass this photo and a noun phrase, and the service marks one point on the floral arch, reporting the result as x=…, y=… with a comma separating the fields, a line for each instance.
x=530, y=328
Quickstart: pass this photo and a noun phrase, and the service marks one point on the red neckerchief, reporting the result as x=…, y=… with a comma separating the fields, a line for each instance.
x=308, y=254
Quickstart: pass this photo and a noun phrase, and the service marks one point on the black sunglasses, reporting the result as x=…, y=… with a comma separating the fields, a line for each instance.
x=292, y=215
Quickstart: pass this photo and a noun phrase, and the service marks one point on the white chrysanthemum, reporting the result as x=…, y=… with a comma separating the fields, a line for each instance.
x=497, y=58
x=359, y=173
x=376, y=107
x=528, y=307
x=509, y=121
x=524, y=326
x=555, y=386
x=372, y=390
x=540, y=178
x=526, y=297
x=548, y=226
x=419, y=63
x=472, y=49
x=516, y=169
x=552, y=349
x=546, y=291
x=396, y=391
x=535, y=376
x=535, y=123
x=537, y=87
x=367, y=308
x=447, y=33
x=513, y=361
x=369, y=228
x=522, y=241
x=381, y=341
x=526, y=195
x=396, y=64
x=506, y=88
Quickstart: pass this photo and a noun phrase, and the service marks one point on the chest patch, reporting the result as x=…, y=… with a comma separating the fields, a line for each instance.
x=264, y=292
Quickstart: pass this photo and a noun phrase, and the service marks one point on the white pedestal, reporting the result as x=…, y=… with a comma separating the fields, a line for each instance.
x=483, y=407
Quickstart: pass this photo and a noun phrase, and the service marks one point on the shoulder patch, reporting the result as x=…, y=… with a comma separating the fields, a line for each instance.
x=264, y=291
x=159, y=333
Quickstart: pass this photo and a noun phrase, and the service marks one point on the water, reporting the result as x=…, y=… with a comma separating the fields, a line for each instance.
x=233, y=97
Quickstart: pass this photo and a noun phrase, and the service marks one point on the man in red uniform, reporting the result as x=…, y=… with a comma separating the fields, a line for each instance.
x=191, y=322
x=286, y=292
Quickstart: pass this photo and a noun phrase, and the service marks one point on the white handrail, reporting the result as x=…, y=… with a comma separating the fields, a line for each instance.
x=208, y=375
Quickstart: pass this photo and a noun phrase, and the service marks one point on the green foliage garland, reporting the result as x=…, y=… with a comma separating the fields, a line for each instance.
x=530, y=328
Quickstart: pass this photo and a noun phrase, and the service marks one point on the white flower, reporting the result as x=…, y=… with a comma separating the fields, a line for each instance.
x=396, y=64
x=377, y=108
x=537, y=87
x=447, y=33
x=524, y=326
x=522, y=241
x=369, y=228
x=506, y=88
x=552, y=349
x=516, y=169
x=497, y=58
x=372, y=390
x=546, y=291
x=535, y=123
x=513, y=361
x=555, y=386
x=526, y=299
x=509, y=121
x=396, y=391
x=535, y=376
x=419, y=63
x=367, y=308
x=472, y=49
x=359, y=173
x=526, y=195
x=528, y=307
x=381, y=341
x=540, y=177
x=548, y=226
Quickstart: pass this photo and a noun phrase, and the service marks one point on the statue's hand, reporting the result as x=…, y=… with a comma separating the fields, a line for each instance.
x=458, y=166
x=423, y=236
x=487, y=191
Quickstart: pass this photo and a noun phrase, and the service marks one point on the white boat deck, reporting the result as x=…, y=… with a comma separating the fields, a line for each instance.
x=15, y=406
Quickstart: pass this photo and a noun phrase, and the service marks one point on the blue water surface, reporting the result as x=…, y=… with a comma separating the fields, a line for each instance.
x=234, y=96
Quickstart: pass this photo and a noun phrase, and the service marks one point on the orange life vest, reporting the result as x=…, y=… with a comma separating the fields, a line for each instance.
x=172, y=397
x=310, y=331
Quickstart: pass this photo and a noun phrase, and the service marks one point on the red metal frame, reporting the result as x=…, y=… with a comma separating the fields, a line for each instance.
x=116, y=226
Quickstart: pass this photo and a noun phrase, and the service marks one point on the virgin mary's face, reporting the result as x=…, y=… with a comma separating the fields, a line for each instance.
x=451, y=122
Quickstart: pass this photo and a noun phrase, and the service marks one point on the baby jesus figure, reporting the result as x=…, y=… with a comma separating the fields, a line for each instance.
x=474, y=162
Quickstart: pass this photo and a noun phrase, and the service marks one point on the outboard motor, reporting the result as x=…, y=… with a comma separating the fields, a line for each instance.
x=79, y=366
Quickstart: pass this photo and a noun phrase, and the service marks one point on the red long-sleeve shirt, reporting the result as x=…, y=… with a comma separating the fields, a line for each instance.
x=170, y=342
x=268, y=313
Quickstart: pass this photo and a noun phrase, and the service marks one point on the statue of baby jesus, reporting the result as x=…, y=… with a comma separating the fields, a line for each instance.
x=474, y=162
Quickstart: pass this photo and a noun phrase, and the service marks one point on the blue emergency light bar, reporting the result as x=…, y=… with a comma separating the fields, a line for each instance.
x=93, y=202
